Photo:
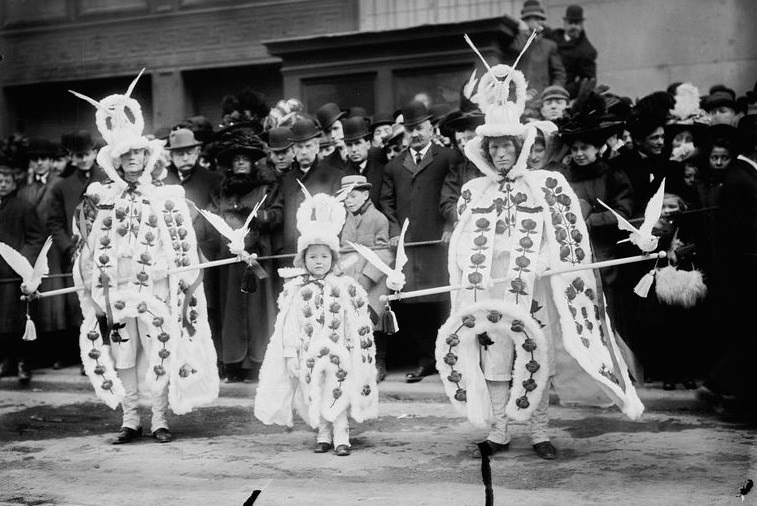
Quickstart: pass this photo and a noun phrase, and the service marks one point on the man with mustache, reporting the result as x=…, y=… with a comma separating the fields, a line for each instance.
x=411, y=190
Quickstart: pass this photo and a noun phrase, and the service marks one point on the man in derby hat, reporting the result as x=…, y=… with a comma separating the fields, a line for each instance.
x=366, y=225
x=357, y=144
x=381, y=129
x=579, y=57
x=316, y=175
x=280, y=149
x=722, y=107
x=541, y=64
x=330, y=117
x=198, y=182
x=411, y=190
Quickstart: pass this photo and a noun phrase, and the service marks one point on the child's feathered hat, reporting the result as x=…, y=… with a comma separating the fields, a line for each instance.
x=320, y=219
x=120, y=122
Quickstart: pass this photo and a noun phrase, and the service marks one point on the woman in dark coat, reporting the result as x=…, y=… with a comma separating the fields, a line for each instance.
x=248, y=303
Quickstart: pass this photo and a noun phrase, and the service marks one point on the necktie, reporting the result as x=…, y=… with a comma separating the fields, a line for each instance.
x=418, y=158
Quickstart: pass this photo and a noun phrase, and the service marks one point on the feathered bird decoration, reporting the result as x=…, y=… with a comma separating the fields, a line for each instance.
x=235, y=236
x=31, y=277
x=642, y=237
x=395, y=279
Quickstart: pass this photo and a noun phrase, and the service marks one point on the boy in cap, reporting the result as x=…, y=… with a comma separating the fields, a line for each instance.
x=366, y=225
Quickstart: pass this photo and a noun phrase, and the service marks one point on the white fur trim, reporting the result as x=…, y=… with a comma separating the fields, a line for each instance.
x=679, y=287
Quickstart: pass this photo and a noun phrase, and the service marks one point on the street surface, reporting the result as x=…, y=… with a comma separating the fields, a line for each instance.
x=54, y=449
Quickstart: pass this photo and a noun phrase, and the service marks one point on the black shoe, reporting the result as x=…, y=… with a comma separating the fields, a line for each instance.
x=668, y=386
x=163, y=435
x=545, y=450
x=496, y=448
x=57, y=365
x=127, y=435
x=321, y=447
x=24, y=374
x=418, y=374
x=342, y=450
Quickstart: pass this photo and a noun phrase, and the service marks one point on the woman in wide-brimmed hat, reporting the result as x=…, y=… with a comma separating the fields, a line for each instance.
x=247, y=314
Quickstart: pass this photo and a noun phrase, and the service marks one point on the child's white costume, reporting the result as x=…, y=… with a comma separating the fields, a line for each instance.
x=140, y=324
x=325, y=324
x=526, y=328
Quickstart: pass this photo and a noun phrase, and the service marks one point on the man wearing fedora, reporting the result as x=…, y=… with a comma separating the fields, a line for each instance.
x=280, y=150
x=381, y=129
x=541, y=64
x=366, y=225
x=317, y=176
x=578, y=54
x=330, y=116
x=198, y=182
x=358, y=145
x=59, y=208
x=411, y=190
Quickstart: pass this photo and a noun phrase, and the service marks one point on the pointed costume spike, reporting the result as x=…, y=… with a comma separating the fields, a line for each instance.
x=134, y=83
x=475, y=50
x=528, y=43
x=90, y=100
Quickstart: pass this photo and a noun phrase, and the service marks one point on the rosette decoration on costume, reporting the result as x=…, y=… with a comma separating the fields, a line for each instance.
x=458, y=358
x=120, y=122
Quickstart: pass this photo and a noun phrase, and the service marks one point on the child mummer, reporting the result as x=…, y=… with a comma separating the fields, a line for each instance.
x=367, y=226
x=320, y=361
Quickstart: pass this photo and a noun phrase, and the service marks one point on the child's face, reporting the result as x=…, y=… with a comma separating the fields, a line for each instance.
x=719, y=158
x=318, y=260
x=670, y=205
x=583, y=153
x=355, y=200
x=690, y=175
x=537, y=156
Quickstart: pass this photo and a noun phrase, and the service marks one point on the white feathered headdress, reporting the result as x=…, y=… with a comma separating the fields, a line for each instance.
x=320, y=219
x=502, y=116
x=120, y=122
x=687, y=109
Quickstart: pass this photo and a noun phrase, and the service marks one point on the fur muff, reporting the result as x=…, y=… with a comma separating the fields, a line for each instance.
x=680, y=288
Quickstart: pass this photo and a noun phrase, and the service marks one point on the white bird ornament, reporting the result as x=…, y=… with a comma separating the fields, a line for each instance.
x=31, y=277
x=395, y=279
x=235, y=236
x=642, y=237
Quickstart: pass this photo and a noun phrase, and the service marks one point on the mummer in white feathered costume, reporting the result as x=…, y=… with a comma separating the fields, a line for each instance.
x=142, y=326
x=320, y=361
x=505, y=342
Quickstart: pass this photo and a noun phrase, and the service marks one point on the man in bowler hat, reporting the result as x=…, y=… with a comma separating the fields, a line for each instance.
x=578, y=54
x=358, y=144
x=411, y=190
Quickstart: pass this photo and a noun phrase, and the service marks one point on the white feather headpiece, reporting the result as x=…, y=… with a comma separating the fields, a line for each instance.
x=320, y=219
x=687, y=109
x=120, y=122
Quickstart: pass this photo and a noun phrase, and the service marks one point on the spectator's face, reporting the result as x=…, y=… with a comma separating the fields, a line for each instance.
x=574, y=28
x=502, y=152
x=306, y=152
x=185, y=158
x=420, y=134
x=59, y=164
x=318, y=260
x=355, y=200
x=357, y=150
x=335, y=131
x=690, y=174
x=133, y=163
x=7, y=185
x=462, y=138
x=380, y=133
x=325, y=151
x=719, y=158
x=583, y=153
x=393, y=150
x=683, y=138
x=538, y=156
x=241, y=164
x=40, y=164
x=627, y=139
x=653, y=143
x=533, y=22
x=723, y=116
x=84, y=160
x=282, y=159
x=670, y=205
x=553, y=108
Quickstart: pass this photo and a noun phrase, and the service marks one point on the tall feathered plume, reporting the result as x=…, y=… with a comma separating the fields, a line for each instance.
x=686, y=102
x=588, y=109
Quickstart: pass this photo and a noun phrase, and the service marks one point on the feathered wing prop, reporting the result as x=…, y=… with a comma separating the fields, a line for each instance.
x=642, y=237
x=343, y=192
x=235, y=236
x=31, y=277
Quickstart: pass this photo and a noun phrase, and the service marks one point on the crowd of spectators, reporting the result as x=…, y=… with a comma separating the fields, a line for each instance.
x=411, y=165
